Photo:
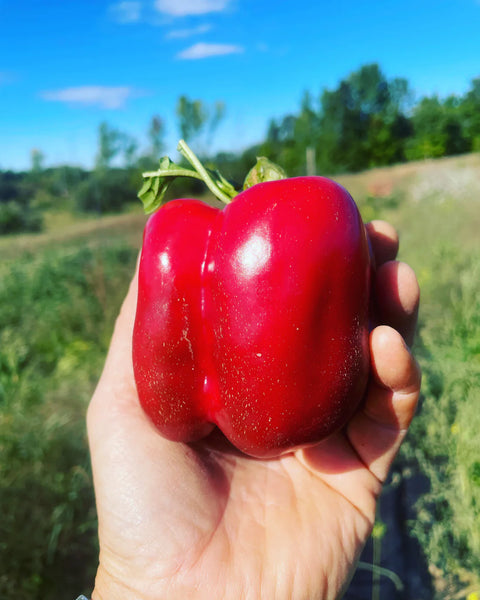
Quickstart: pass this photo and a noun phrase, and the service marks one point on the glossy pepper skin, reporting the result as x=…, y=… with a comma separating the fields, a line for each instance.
x=254, y=318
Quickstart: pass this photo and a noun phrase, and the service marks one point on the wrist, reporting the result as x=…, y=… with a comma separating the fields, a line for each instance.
x=108, y=587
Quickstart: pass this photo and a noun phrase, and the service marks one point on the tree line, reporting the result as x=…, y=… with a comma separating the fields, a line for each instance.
x=368, y=120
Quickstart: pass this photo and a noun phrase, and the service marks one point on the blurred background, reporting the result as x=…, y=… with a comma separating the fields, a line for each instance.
x=384, y=97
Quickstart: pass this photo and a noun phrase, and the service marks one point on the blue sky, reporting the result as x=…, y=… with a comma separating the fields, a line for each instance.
x=67, y=65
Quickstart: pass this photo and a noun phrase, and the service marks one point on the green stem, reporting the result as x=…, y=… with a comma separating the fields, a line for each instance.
x=200, y=169
x=394, y=578
x=377, y=549
x=173, y=173
x=156, y=183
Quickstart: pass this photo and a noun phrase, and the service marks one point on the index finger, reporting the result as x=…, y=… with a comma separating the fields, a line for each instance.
x=378, y=428
x=384, y=241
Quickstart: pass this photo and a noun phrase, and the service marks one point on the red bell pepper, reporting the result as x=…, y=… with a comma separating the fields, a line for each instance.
x=254, y=318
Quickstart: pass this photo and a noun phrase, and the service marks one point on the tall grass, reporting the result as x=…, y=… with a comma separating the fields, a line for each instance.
x=438, y=216
x=445, y=439
x=56, y=315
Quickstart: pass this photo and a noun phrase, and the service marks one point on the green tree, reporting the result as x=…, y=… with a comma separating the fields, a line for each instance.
x=195, y=119
x=192, y=117
x=389, y=127
x=363, y=122
x=456, y=141
x=156, y=133
x=109, y=145
x=437, y=129
x=17, y=211
x=109, y=189
x=282, y=146
x=113, y=143
x=306, y=134
x=37, y=160
x=129, y=148
x=106, y=191
x=470, y=114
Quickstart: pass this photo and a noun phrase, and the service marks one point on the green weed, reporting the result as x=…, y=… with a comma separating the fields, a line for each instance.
x=55, y=323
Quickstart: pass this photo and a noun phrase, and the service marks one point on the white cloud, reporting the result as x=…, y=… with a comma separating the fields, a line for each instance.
x=128, y=11
x=185, y=33
x=91, y=95
x=202, y=50
x=181, y=8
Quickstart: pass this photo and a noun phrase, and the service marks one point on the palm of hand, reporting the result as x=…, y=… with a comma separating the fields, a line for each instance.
x=202, y=518
x=203, y=521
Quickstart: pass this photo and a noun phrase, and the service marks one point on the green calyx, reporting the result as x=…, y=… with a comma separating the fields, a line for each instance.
x=264, y=170
x=156, y=183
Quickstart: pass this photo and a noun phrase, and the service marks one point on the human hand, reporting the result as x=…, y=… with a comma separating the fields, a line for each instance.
x=204, y=521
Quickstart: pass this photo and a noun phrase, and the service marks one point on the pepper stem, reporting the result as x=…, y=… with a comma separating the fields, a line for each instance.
x=156, y=183
x=184, y=149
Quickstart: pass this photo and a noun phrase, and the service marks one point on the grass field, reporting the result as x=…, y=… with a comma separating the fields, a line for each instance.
x=60, y=292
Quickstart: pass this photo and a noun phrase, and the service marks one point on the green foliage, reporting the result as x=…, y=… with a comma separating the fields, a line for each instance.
x=14, y=218
x=56, y=315
x=107, y=190
x=192, y=117
x=234, y=166
x=376, y=207
x=37, y=158
x=362, y=123
x=470, y=114
x=17, y=209
x=437, y=129
x=435, y=208
x=363, y=120
x=445, y=435
x=196, y=118
x=369, y=120
x=439, y=233
x=56, y=186
x=110, y=143
x=156, y=133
